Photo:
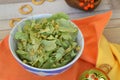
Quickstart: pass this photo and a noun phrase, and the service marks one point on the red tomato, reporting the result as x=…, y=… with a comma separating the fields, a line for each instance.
x=93, y=76
x=87, y=76
x=96, y=79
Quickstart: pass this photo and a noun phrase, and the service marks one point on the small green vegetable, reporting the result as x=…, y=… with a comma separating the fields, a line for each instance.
x=47, y=42
x=93, y=74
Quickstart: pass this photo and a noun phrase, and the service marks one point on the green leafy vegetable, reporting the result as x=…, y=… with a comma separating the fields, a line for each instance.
x=49, y=45
x=59, y=16
x=47, y=42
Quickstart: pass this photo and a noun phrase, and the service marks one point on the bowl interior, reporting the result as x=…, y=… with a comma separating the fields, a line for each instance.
x=13, y=46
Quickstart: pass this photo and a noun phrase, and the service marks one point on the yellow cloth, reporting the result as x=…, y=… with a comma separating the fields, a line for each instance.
x=109, y=53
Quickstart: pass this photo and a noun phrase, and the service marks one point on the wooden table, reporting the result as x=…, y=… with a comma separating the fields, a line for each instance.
x=9, y=9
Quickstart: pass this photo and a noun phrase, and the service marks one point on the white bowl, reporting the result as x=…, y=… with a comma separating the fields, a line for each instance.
x=43, y=72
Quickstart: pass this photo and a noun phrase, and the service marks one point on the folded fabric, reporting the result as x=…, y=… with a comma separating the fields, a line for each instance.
x=109, y=53
x=91, y=28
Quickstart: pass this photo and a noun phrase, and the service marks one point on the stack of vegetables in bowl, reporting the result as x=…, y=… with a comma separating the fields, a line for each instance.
x=46, y=44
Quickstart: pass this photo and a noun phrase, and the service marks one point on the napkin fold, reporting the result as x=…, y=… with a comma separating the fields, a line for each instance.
x=91, y=28
x=109, y=53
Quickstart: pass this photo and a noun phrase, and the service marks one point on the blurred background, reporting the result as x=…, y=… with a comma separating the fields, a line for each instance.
x=10, y=9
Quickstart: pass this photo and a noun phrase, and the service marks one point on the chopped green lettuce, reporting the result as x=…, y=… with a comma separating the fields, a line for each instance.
x=47, y=42
x=49, y=45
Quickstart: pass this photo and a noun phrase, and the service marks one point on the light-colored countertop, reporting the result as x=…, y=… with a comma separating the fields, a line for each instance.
x=9, y=9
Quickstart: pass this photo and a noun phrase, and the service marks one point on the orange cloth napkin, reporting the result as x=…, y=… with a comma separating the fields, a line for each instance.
x=91, y=28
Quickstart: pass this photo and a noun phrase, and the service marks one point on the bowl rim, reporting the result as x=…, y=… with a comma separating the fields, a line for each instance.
x=40, y=69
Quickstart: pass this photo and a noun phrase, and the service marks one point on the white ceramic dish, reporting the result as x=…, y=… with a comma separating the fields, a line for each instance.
x=43, y=72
